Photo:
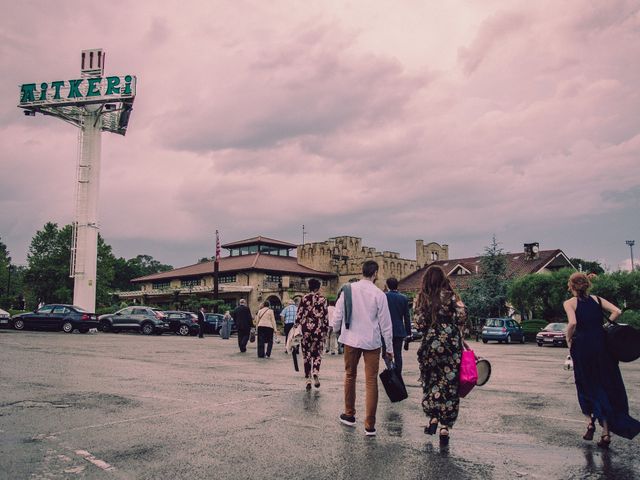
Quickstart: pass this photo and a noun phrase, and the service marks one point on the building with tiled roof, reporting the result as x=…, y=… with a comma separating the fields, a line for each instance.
x=256, y=269
x=461, y=271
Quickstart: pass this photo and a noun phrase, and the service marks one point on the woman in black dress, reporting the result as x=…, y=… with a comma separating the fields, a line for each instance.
x=601, y=392
x=441, y=316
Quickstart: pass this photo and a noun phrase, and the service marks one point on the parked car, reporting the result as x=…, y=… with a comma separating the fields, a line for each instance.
x=56, y=317
x=213, y=323
x=182, y=323
x=146, y=320
x=553, y=334
x=503, y=330
x=4, y=318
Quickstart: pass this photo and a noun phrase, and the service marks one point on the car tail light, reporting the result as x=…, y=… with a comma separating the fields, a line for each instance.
x=504, y=329
x=86, y=316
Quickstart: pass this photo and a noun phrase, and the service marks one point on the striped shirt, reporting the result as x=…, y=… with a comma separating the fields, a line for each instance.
x=289, y=314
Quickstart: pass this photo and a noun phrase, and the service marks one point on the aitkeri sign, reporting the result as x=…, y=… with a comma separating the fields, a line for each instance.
x=82, y=91
x=71, y=100
x=94, y=103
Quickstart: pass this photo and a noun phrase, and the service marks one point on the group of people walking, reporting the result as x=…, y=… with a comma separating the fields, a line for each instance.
x=369, y=323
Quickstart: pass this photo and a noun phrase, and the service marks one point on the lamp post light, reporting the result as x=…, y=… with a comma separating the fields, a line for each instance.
x=631, y=243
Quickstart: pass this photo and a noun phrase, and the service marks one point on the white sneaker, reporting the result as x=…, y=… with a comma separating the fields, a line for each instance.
x=370, y=433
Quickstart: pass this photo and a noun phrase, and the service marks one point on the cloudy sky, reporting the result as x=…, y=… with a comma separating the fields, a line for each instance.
x=442, y=120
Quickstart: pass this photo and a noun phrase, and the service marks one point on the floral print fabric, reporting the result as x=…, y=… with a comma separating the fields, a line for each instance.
x=313, y=318
x=439, y=358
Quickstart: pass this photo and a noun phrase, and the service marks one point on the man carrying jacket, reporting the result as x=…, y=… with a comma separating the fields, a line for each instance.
x=363, y=320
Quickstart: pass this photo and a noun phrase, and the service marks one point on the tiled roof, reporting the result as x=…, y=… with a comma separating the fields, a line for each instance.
x=256, y=261
x=517, y=266
x=259, y=240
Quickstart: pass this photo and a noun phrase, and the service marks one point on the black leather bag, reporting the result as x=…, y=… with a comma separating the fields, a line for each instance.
x=392, y=382
x=623, y=341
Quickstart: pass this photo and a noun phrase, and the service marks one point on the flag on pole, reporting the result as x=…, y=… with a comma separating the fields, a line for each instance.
x=217, y=246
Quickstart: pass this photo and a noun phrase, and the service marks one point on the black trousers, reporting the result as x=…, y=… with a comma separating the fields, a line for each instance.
x=201, y=330
x=398, y=343
x=243, y=339
x=265, y=336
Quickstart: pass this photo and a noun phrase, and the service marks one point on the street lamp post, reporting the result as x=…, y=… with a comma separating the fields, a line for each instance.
x=631, y=243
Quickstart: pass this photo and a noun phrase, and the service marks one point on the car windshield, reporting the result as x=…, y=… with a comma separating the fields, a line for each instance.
x=494, y=322
x=556, y=327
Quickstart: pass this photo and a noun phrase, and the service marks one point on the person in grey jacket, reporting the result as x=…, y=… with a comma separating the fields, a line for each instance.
x=400, y=319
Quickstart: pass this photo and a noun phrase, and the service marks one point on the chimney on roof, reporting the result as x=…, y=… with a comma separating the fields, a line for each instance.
x=531, y=251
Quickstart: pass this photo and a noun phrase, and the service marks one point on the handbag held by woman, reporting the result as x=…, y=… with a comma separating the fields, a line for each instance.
x=468, y=372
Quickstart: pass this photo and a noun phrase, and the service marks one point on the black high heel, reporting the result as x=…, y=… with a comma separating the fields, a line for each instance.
x=432, y=427
x=604, y=442
x=444, y=436
x=591, y=429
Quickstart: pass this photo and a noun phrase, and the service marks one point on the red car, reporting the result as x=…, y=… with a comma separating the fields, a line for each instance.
x=553, y=334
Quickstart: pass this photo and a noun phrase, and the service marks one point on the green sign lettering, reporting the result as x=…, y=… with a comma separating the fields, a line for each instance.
x=127, y=85
x=112, y=85
x=56, y=88
x=74, y=91
x=94, y=90
x=43, y=91
x=27, y=92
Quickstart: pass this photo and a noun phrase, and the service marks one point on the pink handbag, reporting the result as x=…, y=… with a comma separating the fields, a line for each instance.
x=468, y=372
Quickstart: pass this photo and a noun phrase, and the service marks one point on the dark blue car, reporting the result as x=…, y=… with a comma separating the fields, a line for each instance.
x=56, y=317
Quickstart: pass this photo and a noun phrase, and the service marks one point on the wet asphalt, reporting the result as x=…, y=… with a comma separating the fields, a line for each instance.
x=126, y=406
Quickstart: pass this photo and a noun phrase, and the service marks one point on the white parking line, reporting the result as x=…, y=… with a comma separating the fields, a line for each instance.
x=96, y=461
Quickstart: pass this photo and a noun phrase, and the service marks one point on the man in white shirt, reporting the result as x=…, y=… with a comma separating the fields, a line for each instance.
x=363, y=322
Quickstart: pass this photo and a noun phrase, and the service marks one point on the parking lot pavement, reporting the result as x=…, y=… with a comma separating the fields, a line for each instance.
x=126, y=406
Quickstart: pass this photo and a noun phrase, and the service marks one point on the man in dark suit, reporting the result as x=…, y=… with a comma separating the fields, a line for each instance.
x=201, y=322
x=400, y=319
x=244, y=321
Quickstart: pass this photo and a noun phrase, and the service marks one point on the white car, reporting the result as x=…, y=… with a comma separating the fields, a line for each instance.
x=4, y=318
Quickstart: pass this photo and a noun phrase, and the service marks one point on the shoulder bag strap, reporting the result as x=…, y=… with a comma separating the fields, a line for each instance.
x=604, y=315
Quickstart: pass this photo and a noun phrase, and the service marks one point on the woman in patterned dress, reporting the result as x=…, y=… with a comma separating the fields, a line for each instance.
x=313, y=318
x=440, y=315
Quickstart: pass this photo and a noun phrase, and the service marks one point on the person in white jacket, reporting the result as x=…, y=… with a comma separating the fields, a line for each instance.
x=363, y=320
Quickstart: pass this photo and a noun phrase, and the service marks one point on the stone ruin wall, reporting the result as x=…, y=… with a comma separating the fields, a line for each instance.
x=345, y=256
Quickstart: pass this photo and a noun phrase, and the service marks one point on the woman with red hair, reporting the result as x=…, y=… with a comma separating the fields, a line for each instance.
x=601, y=392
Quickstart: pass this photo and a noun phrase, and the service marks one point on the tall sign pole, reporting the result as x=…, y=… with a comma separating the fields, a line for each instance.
x=94, y=104
x=216, y=269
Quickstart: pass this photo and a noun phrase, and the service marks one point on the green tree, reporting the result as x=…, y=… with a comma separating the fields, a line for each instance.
x=487, y=294
x=48, y=266
x=540, y=295
x=143, y=265
x=5, y=272
x=587, y=266
x=47, y=276
x=621, y=288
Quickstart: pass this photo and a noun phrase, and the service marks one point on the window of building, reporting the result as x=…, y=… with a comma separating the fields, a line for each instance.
x=191, y=282
x=161, y=285
x=227, y=279
x=434, y=256
x=325, y=283
x=273, y=278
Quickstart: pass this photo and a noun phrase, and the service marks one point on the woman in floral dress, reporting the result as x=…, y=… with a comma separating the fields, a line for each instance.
x=440, y=316
x=313, y=318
